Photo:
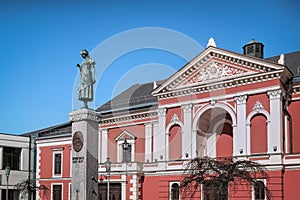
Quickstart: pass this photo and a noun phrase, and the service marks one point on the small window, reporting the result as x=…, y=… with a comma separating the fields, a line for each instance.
x=57, y=192
x=11, y=157
x=259, y=191
x=57, y=164
x=175, y=191
x=298, y=70
x=250, y=49
x=257, y=49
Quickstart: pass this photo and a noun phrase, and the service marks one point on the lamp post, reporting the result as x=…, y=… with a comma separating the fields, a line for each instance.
x=125, y=146
x=7, y=172
x=108, y=168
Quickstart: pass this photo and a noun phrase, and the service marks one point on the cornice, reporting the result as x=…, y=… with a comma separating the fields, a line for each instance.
x=84, y=115
x=128, y=117
x=225, y=84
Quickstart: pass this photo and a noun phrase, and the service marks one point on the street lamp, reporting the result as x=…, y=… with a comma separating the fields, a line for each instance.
x=7, y=172
x=125, y=144
x=108, y=168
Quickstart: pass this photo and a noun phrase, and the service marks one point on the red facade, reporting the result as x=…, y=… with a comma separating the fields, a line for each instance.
x=221, y=104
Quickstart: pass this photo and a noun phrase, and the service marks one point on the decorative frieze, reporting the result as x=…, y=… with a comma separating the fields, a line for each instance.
x=127, y=118
x=212, y=86
x=84, y=114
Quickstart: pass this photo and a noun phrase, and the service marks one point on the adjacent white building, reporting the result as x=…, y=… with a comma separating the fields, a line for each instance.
x=17, y=152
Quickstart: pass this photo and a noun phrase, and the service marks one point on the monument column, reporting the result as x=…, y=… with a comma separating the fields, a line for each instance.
x=85, y=124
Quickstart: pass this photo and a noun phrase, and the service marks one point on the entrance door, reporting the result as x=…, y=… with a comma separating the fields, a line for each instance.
x=114, y=191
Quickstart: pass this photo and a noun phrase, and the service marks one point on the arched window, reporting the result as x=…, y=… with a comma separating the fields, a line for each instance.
x=259, y=190
x=175, y=191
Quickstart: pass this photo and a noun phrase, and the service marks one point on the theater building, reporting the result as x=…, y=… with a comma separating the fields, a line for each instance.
x=220, y=104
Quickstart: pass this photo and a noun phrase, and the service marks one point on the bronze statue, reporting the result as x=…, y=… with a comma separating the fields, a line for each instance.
x=87, y=78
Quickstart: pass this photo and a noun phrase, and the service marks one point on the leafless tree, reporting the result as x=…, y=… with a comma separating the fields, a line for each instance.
x=219, y=174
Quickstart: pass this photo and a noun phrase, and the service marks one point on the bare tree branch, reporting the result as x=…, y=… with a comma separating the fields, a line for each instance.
x=219, y=174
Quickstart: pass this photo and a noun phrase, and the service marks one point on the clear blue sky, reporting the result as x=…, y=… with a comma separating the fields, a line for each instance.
x=41, y=40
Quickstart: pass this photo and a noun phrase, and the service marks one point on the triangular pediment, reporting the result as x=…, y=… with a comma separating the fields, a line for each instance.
x=125, y=135
x=214, y=70
x=214, y=66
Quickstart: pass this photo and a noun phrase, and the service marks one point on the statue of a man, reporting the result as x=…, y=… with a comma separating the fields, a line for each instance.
x=87, y=78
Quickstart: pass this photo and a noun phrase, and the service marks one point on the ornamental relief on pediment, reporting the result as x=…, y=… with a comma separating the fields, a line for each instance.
x=215, y=70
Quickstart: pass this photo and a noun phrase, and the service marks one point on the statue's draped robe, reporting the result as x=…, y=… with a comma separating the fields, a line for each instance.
x=87, y=72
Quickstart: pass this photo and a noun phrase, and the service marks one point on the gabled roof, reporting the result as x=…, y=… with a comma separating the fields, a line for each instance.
x=141, y=95
x=214, y=68
x=137, y=96
x=64, y=129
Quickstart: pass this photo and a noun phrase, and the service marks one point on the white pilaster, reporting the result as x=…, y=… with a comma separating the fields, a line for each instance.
x=240, y=141
x=148, y=142
x=123, y=185
x=195, y=150
x=104, y=142
x=211, y=149
x=187, y=131
x=160, y=136
x=275, y=139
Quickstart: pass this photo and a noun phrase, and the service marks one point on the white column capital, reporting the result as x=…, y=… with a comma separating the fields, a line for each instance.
x=241, y=99
x=275, y=94
x=187, y=108
x=161, y=111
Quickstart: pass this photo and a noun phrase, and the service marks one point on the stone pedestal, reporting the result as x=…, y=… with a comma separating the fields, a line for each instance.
x=85, y=124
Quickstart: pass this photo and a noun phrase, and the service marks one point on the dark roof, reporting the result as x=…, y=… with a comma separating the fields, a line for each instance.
x=291, y=60
x=64, y=129
x=137, y=96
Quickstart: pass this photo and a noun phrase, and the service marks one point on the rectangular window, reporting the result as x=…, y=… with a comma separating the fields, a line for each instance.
x=127, y=154
x=57, y=164
x=212, y=191
x=11, y=157
x=12, y=194
x=56, y=192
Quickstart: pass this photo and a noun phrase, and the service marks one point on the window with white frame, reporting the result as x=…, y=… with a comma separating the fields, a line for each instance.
x=174, y=191
x=126, y=147
x=57, y=163
x=126, y=150
x=259, y=190
x=56, y=192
